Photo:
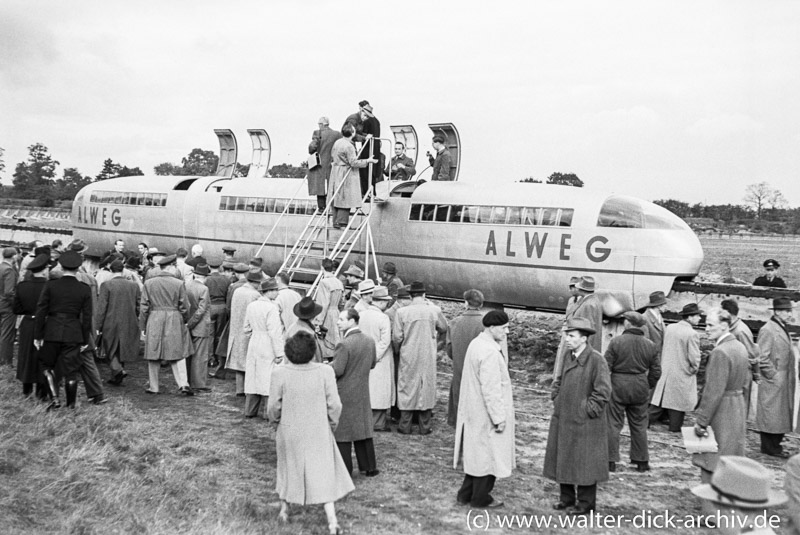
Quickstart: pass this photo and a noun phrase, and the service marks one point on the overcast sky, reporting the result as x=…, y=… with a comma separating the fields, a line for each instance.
x=685, y=100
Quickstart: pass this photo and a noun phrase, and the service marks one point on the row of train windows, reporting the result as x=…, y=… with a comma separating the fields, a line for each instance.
x=261, y=204
x=506, y=215
x=132, y=198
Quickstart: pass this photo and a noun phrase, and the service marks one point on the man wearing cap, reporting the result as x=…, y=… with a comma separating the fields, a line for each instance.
x=676, y=390
x=237, y=338
x=460, y=334
x=116, y=319
x=8, y=320
x=485, y=423
x=770, y=277
x=775, y=414
x=400, y=167
x=587, y=306
x=264, y=333
x=442, y=164
x=727, y=374
x=306, y=310
x=322, y=141
x=635, y=369
x=240, y=270
x=415, y=331
x=738, y=496
x=25, y=299
x=217, y=285
x=329, y=294
x=577, y=452
x=286, y=299
x=163, y=314
x=390, y=279
x=63, y=325
x=353, y=277
x=228, y=252
x=376, y=324
x=199, y=326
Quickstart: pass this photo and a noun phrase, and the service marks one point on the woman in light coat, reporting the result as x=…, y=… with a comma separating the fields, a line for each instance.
x=343, y=156
x=305, y=405
x=264, y=333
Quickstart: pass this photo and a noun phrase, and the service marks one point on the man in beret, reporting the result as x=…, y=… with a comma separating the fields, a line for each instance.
x=217, y=284
x=775, y=414
x=635, y=369
x=485, y=423
x=116, y=318
x=770, y=277
x=675, y=393
x=415, y=331
x=199, y=326
x=442, y=164
x=238, y=340
x=163, y=314
x=577, y=452
x=63, y=326
x=460, y=334
x=8, y=320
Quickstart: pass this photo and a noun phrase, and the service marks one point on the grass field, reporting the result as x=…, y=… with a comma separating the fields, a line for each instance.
x=742, y=257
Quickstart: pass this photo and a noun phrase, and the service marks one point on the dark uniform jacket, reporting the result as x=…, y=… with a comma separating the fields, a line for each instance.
x=634, y=365
x=442, y=166
x=64, y=312
x=777, y=282
x=217, y=288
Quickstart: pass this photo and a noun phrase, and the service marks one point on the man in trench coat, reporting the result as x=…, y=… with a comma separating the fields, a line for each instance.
x=485, y=423
x=588, y=306
x=238, y=340
x=460, y=334
x=576, y=454
x=775, y=414
x=200, y=327
x=117, y=310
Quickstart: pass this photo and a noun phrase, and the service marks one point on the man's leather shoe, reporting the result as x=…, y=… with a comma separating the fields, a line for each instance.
x=495, y=504
x=185, y=390
x=99, y=399
x=581, y=511
x=372, y=473
x=148, y=391
x=561, y=506
x=642, y=466
x=612, y=466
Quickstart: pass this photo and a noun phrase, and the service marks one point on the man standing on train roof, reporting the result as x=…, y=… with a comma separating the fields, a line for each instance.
x=415, y=331
x=8, y=320
x=286, y=300
x=775, y=414
x=577, y=452
x=485, y=425
x=237, y=338
x=635, y=369
x=444, y=160
x=228, y=252
x=770, y=277
x=200, y=328
x=372, y=134
x=587, y=306
x=676, y=391
x=460, y=333
x=390, y=279
x=400, y=167
x=63, y=327
x=322, y=141
x=117, y=313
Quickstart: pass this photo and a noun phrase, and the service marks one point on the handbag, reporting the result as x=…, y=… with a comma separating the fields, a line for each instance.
x=313, y=160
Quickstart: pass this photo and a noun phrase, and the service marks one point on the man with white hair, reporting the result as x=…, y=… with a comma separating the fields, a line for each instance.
x=322, y=141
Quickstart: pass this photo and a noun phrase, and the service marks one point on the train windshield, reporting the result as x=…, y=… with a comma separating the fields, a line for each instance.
x=625, y=212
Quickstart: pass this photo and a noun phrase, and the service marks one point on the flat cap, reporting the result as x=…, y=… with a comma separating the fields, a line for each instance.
x=167, y=260
x=8, y=252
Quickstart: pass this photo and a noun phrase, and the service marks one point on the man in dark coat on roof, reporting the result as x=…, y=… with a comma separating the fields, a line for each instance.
x=322, y=141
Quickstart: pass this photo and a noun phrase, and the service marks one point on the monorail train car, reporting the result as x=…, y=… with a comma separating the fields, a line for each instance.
x=518, y=242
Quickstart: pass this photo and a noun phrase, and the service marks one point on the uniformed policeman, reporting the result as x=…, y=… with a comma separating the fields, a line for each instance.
x=63, y=327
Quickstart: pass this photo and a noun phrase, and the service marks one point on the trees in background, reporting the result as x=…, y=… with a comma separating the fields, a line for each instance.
x=114, y=170
x=563, y=179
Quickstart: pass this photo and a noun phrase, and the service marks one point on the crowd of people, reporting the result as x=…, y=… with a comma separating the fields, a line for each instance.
x=360, y=357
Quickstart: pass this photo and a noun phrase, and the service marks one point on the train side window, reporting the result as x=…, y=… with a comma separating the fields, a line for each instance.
x=148, y=199
x=620, y=212
x=260, y=204
x=125, y=197
x=416, y=210
x=470, y=214
x=132, y=199
x=566, y=217
x=140, y=199
x=549, y=216
x=164, y=197
x=280, y=205
x=269, y=205
x=240, y=203
x=441, y=212
x=514, y=215
x=223, y=203
x=427, y=212
x=118, y=198
x=251, y=205
x=93, y=197
x=455, y=213
x=499, y=214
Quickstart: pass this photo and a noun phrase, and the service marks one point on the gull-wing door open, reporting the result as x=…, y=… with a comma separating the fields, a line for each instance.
x=451, y=141
x=407, y=136
x=262, y=151
x=227, y=153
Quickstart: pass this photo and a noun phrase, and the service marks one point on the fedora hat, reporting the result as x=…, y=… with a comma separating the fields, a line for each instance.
x=202, y=269
x=78, y=245
x=266, y=285
x=381, y=293
x=254, y=276
x=241, y=267
x=690, y=310
x=354, y=271
x=741, y=482
x=580, y=324
x=586, y=283
x=417, y=287
x=657, y=299
x=573, y=281
x=782, y=303
x=390, y=268
x=366, y=287
x=402, y=293
x=306, y=308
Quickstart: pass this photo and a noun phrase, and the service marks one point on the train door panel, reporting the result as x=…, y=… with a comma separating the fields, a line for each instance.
x=228, y=153
x=262, y=152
